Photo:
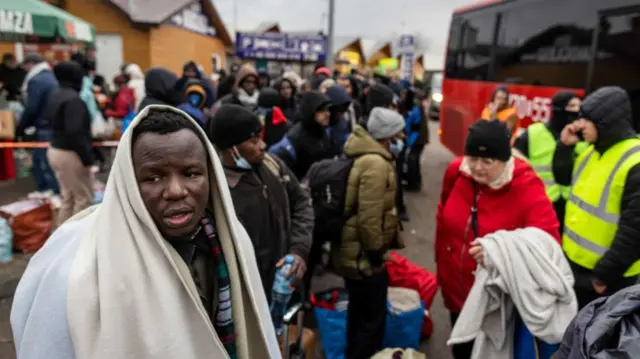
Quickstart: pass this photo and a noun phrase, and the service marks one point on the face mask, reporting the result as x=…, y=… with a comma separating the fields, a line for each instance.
x=396, y=147
x=240, y=161
x=572, y=116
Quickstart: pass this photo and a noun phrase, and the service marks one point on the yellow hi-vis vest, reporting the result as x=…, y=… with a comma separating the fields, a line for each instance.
x=542, y=146
x=593, y=207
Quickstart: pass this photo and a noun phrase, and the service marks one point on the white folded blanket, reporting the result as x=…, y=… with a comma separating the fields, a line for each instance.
x=524, y=270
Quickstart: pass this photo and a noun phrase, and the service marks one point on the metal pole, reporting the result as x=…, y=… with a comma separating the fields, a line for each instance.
x=330, y=54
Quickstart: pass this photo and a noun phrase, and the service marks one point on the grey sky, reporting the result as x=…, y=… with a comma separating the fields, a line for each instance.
x=370, y=19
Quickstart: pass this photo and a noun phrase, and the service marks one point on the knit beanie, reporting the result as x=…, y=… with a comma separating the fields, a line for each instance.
x=379, y=96
x=232, y=125
x=384, y=123
x=489, y=139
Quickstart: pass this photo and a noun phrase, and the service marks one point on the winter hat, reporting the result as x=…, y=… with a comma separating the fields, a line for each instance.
x=384, y=123
x=32, y=58
x=231, y=125
x=379, y=96
x=489, y=139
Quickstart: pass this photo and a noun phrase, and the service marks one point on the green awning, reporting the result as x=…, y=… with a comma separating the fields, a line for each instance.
x=24, y=18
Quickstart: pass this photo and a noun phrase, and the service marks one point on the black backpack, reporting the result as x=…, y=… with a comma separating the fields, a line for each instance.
x=327, y=181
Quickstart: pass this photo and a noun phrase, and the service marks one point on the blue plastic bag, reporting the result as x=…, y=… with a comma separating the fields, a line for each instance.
x=6, y=241
x=126, y=121
x=403, y=330
x=332, y=325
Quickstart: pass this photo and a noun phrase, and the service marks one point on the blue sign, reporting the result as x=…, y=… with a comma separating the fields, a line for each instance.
x=285, y=47
x=407, y=52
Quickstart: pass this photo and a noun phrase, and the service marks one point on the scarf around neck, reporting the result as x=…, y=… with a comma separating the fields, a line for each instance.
x=248, y=100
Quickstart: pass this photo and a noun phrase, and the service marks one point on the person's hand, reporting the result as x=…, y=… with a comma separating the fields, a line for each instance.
x=298, y=267
x=477, y=252
x=598, y=286
x=569, y=135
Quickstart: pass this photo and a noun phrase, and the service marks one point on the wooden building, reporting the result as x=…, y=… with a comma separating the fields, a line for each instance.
x=165, y=33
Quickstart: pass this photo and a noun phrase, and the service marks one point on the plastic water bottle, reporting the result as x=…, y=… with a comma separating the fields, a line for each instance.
x=281, y=294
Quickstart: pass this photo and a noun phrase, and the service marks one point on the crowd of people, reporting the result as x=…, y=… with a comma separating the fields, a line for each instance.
x=215, y=181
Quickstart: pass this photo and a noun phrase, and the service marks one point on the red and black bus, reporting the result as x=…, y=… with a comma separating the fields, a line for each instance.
x=536, y=48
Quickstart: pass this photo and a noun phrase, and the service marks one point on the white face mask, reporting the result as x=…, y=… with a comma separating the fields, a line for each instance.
x=396, y=147
x=240, y=161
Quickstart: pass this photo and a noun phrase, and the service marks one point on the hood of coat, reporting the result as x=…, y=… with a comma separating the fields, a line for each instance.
x=269, y=97
x=69, y=75
x=361, y=143
x=610, y=110
x=191, y=66
x=134, y=72
x=160, y=83
x=310, y=103
x=244, y=72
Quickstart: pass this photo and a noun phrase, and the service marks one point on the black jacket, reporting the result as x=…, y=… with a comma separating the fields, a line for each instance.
x=161, y=88
x=559, y=119
x=276, y=212
x=12, y=81
x=69, y=116
x=308, y=138
x=607, y=328
x=609, y=108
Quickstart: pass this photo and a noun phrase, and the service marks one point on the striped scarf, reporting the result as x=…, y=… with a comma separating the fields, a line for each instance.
x=223, y=322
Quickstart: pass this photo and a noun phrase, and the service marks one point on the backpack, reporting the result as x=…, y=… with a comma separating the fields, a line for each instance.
x=327, y=182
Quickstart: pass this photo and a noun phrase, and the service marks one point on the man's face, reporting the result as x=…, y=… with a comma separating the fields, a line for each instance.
x=11, y=63
x=285, y=90
x=249, y=84
x=589, y=130
x=28, y=66
x=323, y=116
x=252, y=150
x=346, y=85
x=172, y=174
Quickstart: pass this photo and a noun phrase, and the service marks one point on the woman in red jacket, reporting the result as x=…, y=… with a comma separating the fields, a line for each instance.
x=123, y=101
x=485, y=191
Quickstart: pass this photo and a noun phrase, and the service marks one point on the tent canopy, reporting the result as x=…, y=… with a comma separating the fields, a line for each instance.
x=23, y=18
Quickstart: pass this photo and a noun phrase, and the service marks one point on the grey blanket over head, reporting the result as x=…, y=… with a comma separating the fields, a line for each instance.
x=526, y=271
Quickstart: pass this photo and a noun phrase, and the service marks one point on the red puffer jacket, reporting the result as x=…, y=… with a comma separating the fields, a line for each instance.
x=520, y=203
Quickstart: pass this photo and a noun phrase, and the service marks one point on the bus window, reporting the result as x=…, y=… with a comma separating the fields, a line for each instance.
x=618, y=60
x=470, y=43
x=545, y=42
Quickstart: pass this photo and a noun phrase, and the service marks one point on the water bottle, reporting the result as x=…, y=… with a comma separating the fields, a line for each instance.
x=281, y=294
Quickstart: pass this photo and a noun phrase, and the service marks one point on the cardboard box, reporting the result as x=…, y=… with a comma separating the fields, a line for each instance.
x=7, y=125
x=309, y=341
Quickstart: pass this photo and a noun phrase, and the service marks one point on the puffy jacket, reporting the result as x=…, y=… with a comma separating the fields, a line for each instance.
x=306, y=142
x=371, y=190
x=38, y=88
x=520, y=203
x=610, y=110
x=123, y=103
x=607, y=328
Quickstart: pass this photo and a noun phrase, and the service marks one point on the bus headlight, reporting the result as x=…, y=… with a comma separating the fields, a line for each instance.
x=436, y=97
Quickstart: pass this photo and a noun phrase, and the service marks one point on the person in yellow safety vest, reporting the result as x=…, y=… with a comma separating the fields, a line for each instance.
x=602, y=220
x=538, y=144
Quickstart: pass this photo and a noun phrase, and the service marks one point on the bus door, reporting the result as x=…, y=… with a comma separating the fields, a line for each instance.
x=615, y=55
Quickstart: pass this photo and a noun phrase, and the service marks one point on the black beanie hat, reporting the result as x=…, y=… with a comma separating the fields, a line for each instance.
x=489, y=139
x=231, y=125
x=379, y=95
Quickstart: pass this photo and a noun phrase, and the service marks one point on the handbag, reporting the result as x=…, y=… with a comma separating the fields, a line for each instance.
x=102, y=128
